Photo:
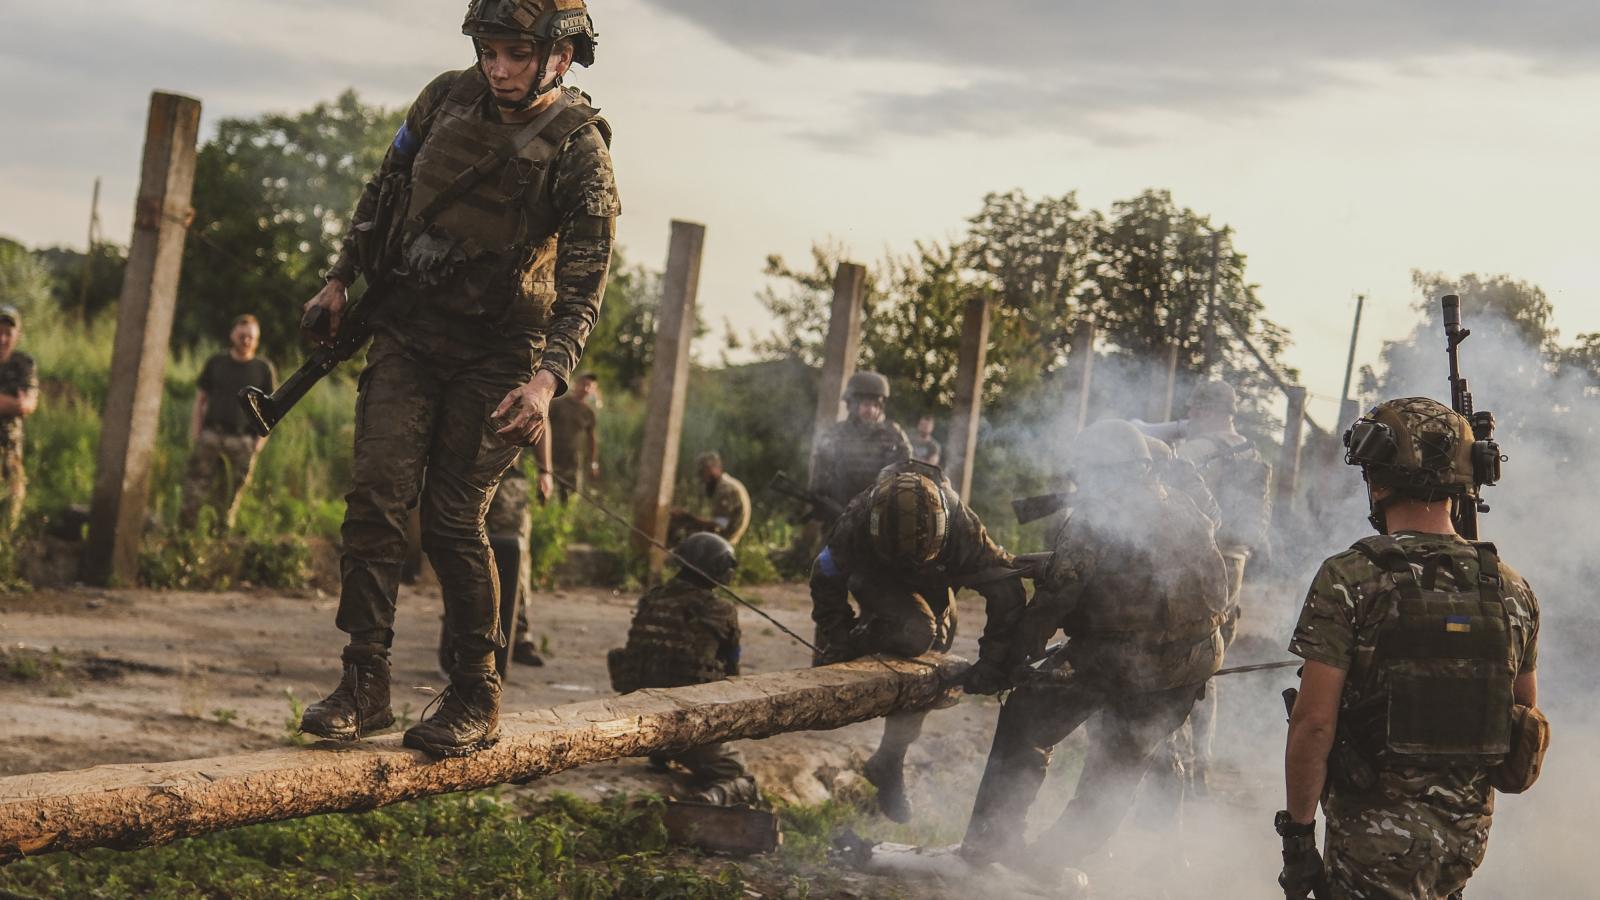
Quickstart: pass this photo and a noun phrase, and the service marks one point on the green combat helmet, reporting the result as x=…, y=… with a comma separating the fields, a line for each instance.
x=544, y=22
x=909, y=520
x=708, y=555
x=867, y=384
x=1421, y=449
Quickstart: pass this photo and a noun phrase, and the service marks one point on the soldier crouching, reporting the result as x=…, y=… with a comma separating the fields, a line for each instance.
x=684, y=633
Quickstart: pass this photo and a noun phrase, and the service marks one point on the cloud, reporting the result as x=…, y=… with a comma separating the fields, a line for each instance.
x=1085, y=69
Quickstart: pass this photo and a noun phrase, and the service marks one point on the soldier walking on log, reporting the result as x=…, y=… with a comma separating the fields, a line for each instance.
x=505, y=241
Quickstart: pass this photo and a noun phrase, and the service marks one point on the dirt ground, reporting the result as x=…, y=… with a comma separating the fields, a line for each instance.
x=107, y=676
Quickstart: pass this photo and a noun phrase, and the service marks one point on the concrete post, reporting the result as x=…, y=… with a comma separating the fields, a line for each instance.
x=668, y=388
x=1288, y=473
x=840, y=348
x=962, y=441
x=139, y=355
x=1080, y=377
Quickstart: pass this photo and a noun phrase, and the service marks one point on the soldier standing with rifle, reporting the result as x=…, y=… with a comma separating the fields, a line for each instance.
x=901, y=549
x=849, y=456
x=501, y=237
x=1418, y=698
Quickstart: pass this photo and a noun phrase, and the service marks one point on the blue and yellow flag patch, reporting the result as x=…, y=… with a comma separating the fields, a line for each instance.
x=1458, y=624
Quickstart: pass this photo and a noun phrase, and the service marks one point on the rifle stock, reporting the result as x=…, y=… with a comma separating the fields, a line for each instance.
x=1032, y=509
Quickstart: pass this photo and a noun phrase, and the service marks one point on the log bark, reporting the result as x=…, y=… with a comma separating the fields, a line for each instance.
x=142, y=805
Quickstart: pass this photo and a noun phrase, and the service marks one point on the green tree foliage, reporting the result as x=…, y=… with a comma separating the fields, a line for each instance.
x=272, y=198
x=623, y=343
x=24, y=280
x=65, y=265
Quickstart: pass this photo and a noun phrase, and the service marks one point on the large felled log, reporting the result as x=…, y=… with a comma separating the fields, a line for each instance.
x=130, y=806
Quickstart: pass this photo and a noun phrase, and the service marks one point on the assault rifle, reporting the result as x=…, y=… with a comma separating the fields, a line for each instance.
x=264, y=410
x=1032, y=509
x=1486, y=456
x=821, y=508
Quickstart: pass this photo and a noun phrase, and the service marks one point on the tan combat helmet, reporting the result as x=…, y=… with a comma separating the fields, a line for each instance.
x=542, y=21
x=867, y=384
x=1110, y=442
x=1416, y=445
x=910, y=520
x=1218, y=396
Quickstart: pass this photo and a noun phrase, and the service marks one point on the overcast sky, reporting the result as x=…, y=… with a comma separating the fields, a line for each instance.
x=1345, y=143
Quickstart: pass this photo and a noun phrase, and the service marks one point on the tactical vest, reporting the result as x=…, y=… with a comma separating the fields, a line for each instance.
x=1435, y=685
x=859, y=453
x=489, y=256
x=667, y=644
x=1238, y=478
x=1164, y=583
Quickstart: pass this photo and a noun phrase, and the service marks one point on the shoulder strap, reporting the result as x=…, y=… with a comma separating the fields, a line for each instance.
x=1387, y=554
x=1490, y=584
x=491, y=161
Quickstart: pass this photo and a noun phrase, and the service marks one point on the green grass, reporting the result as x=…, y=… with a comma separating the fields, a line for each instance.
x=475, y=845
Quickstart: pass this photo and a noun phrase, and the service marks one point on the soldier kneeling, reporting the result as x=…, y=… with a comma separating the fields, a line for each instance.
x=684, y=633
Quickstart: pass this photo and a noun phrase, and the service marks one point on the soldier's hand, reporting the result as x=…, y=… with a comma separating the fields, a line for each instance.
x=521, y=416
x=985, y=678
x=331, y=299
x=1303, y=874
x=547, y=486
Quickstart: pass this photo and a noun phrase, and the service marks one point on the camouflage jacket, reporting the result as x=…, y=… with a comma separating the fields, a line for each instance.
x=1347, y=602
x=969, y=555
x=729, y=508
x=1136, y=582
x=849, y=456
x=682, y=633
x=18, y=375
x=1240, y=480
x=567, y=270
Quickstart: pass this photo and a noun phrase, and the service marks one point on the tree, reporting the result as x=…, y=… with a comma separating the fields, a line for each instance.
x=623, y=344
x=24, y=280
x=65, y=265
x=272, y=198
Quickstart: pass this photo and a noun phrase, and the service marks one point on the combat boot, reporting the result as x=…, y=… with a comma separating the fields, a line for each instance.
x=887, y=774
x=468, y=716
x=740, y=791
x=360, y=704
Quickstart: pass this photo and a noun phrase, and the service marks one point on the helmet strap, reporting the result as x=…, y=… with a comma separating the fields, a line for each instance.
x=538, y=89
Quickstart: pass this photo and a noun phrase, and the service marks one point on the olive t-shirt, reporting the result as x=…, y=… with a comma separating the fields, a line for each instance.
x=222, y=379
x=571, y=420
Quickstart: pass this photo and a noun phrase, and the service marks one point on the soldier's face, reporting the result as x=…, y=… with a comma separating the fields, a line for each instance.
x=245, y=338
x=9, y=334
x=511, y=67
x=867, y=409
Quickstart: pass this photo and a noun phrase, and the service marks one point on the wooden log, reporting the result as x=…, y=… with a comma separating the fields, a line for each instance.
x=142, y=805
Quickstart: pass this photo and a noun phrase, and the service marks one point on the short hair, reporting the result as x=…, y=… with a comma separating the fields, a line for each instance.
x=589, y=376
x=246, y=319
x=709, y=458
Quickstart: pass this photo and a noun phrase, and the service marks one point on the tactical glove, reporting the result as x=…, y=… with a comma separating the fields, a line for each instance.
x=985, y=678
x=1303, y=875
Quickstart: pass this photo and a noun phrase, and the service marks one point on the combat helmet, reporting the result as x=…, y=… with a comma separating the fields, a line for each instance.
x=910, y=519
x=710, y=554
x=867, y=384
x=544, y=22
x=1110, y=442
x=1214, y=395
x=1418, y=446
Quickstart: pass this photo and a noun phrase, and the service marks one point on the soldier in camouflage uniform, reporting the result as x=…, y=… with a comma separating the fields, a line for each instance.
x=727, y=502
x=1420, y=652
x=499, y=265
x=1136, y=582
x=1240, y=480
x=847, y=458
x=684, y=632
x=902, y=549
x=19, y=397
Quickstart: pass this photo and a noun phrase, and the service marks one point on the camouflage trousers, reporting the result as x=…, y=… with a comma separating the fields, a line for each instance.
x=511, y=520
x=900, y=620
x=1403, y=850
x=218, y=472
x=1036, y=717
x=13, y=488
x=423, y=435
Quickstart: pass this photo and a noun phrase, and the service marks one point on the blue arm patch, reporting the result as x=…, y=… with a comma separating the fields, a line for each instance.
x=827, y=565
x=406, y=143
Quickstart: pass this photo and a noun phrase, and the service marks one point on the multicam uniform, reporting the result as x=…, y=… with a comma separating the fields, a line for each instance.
x=505, y=281
x=1419, y=831
x=1137, y=584
x=683, y=633
x=18, y=375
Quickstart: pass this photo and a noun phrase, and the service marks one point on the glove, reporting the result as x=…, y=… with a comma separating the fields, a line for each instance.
x=841, y=645
x=985, y=678
x=1303, y=875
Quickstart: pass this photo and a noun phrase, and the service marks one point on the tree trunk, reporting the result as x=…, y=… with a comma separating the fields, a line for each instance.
x=141, y=805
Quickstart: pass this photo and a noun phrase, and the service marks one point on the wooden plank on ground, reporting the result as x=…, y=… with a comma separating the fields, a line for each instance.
x=141, y=805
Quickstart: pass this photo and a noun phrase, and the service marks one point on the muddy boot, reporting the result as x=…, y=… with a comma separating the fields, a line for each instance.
x=359, y=706
x=468, y=716
x=739, y=791
x=887, y=774
x=526, y=653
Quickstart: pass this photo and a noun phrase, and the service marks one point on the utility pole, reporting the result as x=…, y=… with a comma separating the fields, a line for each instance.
x=1211, y=307
x=1348, y=407
x=88, y=254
